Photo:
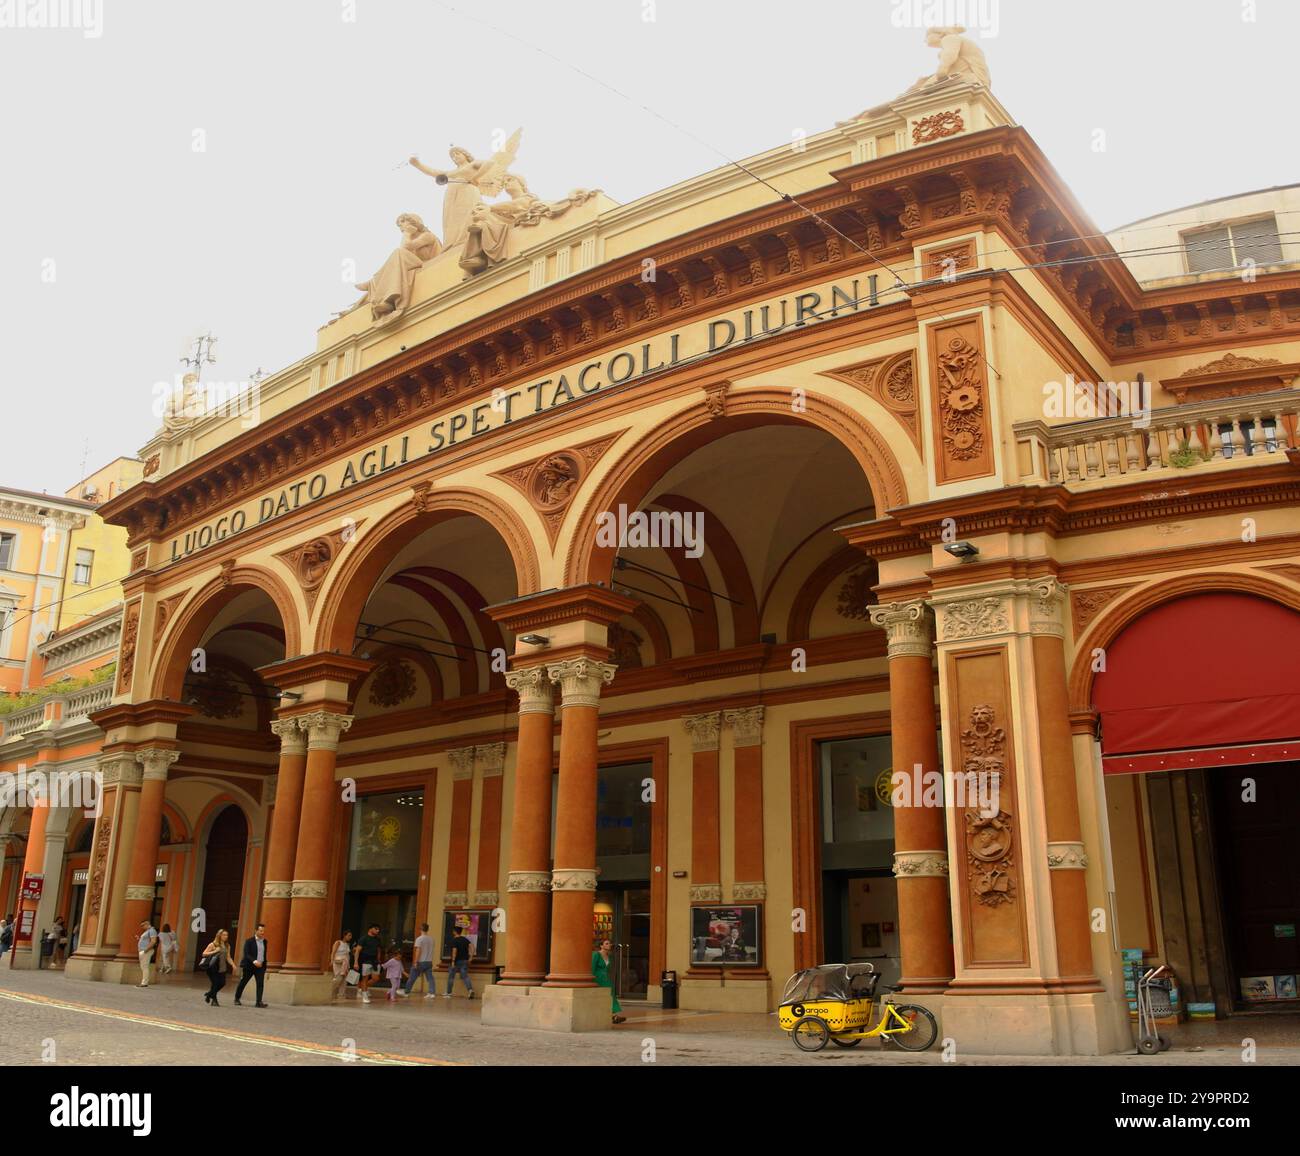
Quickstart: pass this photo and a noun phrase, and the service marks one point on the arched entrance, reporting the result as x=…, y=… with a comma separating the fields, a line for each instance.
x=223, y=877
x=1199, y=707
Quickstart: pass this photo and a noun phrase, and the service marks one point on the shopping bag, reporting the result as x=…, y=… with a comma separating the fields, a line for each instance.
x=354, y=977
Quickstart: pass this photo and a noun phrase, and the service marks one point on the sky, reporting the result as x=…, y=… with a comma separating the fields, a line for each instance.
x=221, y=165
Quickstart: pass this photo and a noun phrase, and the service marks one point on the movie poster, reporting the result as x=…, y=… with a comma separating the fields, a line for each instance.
x=726, y=936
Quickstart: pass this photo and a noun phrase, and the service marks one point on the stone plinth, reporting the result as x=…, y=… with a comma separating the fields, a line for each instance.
x=548, y=1009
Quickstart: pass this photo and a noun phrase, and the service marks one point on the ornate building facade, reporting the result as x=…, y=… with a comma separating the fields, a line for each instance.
x=638, y=579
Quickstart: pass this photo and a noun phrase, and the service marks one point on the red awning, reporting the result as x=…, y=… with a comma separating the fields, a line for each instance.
x=1199, y=674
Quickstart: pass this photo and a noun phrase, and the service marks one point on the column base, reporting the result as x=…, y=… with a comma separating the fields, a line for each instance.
x=24, y=959
x=89, y=966
x=548, y=1009
x=1029, y=1025
x=298, y=988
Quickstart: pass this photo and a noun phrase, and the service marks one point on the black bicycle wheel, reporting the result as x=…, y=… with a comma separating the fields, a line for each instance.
x=810, y=1034
x=924, y=1030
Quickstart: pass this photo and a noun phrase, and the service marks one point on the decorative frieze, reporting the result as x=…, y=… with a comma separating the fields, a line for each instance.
x=706, y=892
x=324, y=729
x=528, y=881
x=123, y=770
x=277, y=889
x=309, y=889
x=487, y=899
x=748, y=892
x=974, y=618
x=580, y=680
x=455, y=899
x=534, y=687
x=573, y=879
x=139, y=891
x=705, y=730
x=1066, y=857
x=920, y=864
x=746, y=725
x=908, y=626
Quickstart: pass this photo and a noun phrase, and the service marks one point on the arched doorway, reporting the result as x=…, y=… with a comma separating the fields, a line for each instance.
x=1199, y=707
x=223, y=876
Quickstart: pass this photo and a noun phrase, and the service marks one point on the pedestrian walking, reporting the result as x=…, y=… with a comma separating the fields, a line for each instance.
x=145, y=946
x=341, y=962
x=253, y=964
x=422, y=964
x=6, y=933
x=169, y=946
x=600, y=969
x=459, y=965
x=395, y=972
x=218, y=963
x=366, y=959
x=74, y=939
x=59, y=934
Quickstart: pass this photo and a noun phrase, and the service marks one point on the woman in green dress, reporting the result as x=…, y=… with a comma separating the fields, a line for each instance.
x=600, y=969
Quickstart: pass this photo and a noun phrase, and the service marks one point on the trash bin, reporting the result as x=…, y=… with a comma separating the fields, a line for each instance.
x=668, y=984
x=497, y=972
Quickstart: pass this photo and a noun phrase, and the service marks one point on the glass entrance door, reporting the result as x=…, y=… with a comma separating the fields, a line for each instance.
x=622, y=914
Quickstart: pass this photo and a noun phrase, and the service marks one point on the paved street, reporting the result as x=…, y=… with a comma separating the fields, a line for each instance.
x=169, y=1024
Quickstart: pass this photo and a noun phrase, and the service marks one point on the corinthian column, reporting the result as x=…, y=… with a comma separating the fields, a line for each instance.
x=140, y=880
x=277, y=891
x=920, y=842
x=528, y=884
x=310, y=888
x=573, y=881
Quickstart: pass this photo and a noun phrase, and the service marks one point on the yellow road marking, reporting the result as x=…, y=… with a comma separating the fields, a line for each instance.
x=363, y=1055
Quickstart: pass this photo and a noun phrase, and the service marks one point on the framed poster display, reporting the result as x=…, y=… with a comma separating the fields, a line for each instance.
x=476, y=926
x=727, y=936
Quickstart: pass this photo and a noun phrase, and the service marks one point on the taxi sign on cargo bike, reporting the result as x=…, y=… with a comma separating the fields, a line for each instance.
x=834, y=1003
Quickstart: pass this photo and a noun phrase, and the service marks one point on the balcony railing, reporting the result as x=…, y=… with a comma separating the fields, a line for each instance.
x=1242, y=430
x=22, y=721
x=91, y=698
x=76, y=704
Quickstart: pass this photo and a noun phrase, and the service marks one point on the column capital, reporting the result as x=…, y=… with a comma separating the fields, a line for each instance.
x=323, y=728
x=533, y=685
x=1047, y=600
x=705, y=730
x=490, y=758
x=746, y=723
x=120, y=769
x=292, y=740
x=462, y=763
x=580, y=679
x=908, y=626
x=156, y=761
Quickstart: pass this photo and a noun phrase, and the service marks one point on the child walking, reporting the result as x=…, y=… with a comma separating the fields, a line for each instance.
x=395, y=972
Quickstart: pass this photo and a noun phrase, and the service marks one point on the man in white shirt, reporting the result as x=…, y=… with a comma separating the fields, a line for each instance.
x=145, y=947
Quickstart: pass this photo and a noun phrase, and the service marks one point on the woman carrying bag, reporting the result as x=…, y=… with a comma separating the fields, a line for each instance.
x=341, y=962
x=217, y=962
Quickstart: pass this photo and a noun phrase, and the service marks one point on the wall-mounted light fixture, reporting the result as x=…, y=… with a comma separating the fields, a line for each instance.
x=534, y=639
x=962, y=550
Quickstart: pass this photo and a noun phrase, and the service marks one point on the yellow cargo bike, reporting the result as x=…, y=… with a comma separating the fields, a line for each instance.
x=835, y=1002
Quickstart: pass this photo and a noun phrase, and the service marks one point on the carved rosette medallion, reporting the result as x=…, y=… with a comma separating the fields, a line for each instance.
x=529, y=881
x=705, y=730
x=392, y=683
x=746, y=725
x=890, y=381
x=533, y=685
x=1066, y=857
x=551, y=481
x=938, y=126
x=573, y=879
x=625, y=647
x=706, y=893
x=908, y=627
x=277, y=889
x=961, y=399
x=580, y=680
x=990, y=854
x=919, y=864
x=854, y=599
